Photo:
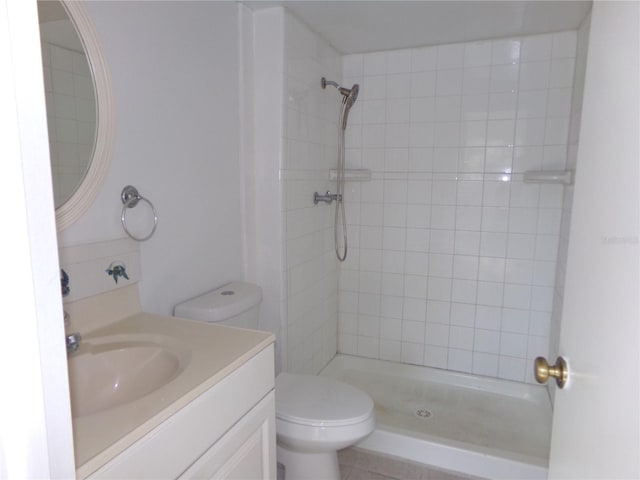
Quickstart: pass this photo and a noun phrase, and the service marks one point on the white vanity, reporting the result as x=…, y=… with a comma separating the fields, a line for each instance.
x=193, y=400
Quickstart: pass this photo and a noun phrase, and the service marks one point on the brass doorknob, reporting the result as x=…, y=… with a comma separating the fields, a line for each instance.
x=560, y=371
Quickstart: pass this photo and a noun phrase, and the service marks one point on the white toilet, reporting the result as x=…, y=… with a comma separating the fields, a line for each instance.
x=315, y=416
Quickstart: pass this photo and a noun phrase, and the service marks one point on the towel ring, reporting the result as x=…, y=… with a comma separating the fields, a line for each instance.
x=130, y=198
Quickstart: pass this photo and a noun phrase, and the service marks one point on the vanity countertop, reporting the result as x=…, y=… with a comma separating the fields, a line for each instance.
x=210, y=353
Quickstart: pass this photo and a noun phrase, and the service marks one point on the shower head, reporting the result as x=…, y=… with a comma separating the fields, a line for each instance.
x=350, y=95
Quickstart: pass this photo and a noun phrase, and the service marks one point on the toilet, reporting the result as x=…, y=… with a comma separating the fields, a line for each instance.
x=315, y=416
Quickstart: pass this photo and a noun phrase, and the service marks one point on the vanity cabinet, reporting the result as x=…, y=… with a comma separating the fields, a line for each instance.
x=227, y=432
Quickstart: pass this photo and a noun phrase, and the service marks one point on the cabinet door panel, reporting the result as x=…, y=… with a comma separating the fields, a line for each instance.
x=246, y=451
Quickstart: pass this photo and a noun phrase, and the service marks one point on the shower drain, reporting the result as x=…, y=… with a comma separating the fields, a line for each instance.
x=423, y=413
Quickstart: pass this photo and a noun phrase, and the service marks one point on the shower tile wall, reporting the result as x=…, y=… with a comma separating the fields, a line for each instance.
x=453, y=258
x=70, y=115
x=311, y=268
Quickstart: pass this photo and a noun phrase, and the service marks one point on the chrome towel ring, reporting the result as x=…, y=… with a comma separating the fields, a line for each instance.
x=130, y=198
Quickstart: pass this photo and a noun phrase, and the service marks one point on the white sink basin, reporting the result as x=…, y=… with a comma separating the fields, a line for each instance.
x=107, y=372
x=129, y=376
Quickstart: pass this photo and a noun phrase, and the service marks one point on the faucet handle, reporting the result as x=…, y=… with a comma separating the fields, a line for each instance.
x=64, y=283
x=73, y=342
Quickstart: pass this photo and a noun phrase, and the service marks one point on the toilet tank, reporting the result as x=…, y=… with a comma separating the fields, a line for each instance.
x=235, y=304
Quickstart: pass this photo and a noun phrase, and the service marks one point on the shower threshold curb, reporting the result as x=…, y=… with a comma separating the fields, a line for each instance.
x=449, y=457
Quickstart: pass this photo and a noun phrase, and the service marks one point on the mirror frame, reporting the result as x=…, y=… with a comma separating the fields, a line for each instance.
x=86, y=192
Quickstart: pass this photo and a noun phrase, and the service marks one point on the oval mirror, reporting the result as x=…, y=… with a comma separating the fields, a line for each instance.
x=79, y=107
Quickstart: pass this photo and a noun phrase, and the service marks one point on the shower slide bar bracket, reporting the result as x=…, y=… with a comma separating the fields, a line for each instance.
x=328, y=197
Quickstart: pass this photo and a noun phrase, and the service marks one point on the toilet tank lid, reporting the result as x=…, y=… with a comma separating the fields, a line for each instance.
x=222, y=303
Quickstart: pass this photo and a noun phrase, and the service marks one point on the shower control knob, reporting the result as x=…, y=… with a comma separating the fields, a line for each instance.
x=326, y=198
x=560, y=371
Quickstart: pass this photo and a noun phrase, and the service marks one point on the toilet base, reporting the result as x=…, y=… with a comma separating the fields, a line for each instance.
x=308, y=466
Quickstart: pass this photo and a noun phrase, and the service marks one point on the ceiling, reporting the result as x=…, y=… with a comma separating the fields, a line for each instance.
x=369, y=26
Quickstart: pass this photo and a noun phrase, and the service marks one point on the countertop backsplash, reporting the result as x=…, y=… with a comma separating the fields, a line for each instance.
x=93, y=268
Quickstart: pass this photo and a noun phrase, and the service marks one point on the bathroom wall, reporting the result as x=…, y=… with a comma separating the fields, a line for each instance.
x=294, y=141
x=454, y=257
x=186, y=76
x=174, y=70
x=310, y=150
x=263, y=46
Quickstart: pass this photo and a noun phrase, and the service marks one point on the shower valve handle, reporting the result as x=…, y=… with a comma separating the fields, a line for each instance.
x=326, y=198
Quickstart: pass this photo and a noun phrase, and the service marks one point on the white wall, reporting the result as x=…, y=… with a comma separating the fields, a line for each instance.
x=290, y=241
x=454, y=256
x=264, y=232
x=175, y=75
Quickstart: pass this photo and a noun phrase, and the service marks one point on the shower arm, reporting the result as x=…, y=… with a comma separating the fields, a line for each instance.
x=324, y=82
x=344, y=91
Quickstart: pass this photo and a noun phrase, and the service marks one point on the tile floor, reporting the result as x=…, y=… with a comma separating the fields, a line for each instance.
x=357, y=464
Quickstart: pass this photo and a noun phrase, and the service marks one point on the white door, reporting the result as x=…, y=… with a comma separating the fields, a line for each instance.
x=35, y=415
x=596, y=422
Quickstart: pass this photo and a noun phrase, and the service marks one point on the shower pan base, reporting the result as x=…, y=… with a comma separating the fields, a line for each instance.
x=473, y=425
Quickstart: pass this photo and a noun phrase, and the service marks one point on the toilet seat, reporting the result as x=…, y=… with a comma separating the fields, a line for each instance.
x=320, y=402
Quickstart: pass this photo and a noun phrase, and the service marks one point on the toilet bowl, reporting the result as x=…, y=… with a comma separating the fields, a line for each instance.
x=316, y=417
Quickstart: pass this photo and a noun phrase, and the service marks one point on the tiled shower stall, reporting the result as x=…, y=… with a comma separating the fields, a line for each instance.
x=452, y=256
x=456, y=257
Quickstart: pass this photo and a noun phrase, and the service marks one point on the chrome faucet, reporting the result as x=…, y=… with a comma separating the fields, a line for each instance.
x=72, y=340
x=64, y=283
x=326, y=198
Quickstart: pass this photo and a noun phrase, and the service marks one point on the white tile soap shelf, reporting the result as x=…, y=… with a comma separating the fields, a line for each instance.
x=564, y=177
x=352, y=174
